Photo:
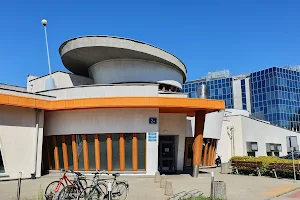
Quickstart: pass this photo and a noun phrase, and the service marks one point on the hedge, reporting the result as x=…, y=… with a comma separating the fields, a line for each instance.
x=266, y=160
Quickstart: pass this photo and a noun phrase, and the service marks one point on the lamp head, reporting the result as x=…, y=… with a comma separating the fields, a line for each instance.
x=44, y=22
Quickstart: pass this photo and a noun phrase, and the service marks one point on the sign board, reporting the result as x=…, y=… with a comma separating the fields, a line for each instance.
x=152, y=120
x=152, y=137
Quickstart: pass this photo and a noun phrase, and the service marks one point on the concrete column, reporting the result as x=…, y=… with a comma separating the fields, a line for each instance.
x=197, y=146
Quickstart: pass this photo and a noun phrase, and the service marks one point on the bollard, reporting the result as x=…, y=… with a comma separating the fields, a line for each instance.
x=212, y=186
x=19, y=186
x=168, y=188
x=163, y=180
x=109, y=188
x=225, y=168
x=157, y=177
x=220, y=190
x=195, y=171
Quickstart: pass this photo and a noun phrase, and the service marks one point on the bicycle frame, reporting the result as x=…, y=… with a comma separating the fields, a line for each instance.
x=63, y=178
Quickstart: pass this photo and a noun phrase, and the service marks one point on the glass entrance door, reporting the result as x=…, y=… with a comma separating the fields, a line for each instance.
x=166, y=154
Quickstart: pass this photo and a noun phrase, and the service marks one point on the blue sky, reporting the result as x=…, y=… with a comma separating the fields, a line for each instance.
x=241, y=36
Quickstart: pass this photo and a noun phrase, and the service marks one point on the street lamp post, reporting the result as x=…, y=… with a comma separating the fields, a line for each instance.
x=49, y=82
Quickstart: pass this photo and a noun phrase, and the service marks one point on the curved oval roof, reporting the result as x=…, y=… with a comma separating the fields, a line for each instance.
x=78, y=54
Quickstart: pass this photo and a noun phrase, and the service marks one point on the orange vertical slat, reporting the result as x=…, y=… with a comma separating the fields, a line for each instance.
x=205, y=154
x=109, y=151
x=214, y=152
x=85, y=153
x=97, y=151
x=198, y=137
x=210, y=152
x=56, y=159
x=74, y=152
x=134, y=152
x=65, y=152
x=122, y=152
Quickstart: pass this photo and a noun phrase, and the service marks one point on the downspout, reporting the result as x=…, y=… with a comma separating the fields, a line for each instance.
x=37, y=127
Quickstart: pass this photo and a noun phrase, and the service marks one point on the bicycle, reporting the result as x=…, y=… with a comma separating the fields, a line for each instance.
x=52, y=193
x=119, y=189
x=72, y=191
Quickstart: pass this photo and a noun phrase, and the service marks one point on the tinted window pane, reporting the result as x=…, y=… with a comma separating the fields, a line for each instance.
x=128, y=151
x=60, y=154
x=91, y=149
x=51, y=151
x=79, y=151
x=70, y=153
x=115, y=151
x=141, y=150
x=103, y=152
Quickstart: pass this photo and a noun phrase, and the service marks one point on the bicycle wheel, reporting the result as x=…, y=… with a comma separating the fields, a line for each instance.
x=53, y=189
x=102, y=187
x=120, y=190
x=69, y=192
x=90, y=193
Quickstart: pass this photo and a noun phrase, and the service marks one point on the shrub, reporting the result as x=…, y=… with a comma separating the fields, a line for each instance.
x=266, y=160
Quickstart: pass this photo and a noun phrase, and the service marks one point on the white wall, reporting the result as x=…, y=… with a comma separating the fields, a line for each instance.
x=18, y=141
x=262, y=133
x=104, y=91
x=237, y=94
x=224, y=147
x=61, y=80
x=174, y=124
x=212, y=125
x=249, y=130
x=248, y=94
x=107, y=120
x=131, y=70
x=152, y=155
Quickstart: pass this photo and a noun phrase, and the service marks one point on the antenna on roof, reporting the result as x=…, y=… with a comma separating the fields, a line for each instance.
x=50, y=81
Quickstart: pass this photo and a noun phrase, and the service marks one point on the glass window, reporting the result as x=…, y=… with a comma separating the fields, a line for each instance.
x=70, y=152
x=103, y=152
x=60, y=153
x=115, y=151
x=51, y=151
x=141, y=137
x=79, y=143
x=128, y=151
x=91, y=149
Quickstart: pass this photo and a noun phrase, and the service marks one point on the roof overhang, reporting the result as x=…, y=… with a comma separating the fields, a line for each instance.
x=80, y=53
x=165, y=104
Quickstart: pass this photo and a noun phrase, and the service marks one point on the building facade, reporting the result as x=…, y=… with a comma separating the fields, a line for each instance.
x=121, y=109
x=245, y=136
x=272, y=94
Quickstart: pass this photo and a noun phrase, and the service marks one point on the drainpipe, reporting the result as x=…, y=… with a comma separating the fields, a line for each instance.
x=37, y=127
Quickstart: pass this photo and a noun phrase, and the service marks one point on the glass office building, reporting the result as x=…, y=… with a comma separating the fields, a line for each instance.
x=218, y=89
x=273, y=94
x=276, y=94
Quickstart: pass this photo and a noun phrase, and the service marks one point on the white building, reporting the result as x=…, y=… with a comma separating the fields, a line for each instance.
x=121, y=109
x=242, y=136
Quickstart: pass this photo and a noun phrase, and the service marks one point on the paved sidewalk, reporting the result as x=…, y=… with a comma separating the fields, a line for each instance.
x=239, y=187
x=290, y=196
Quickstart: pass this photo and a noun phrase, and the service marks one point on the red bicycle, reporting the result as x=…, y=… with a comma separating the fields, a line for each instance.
x=53, y=189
